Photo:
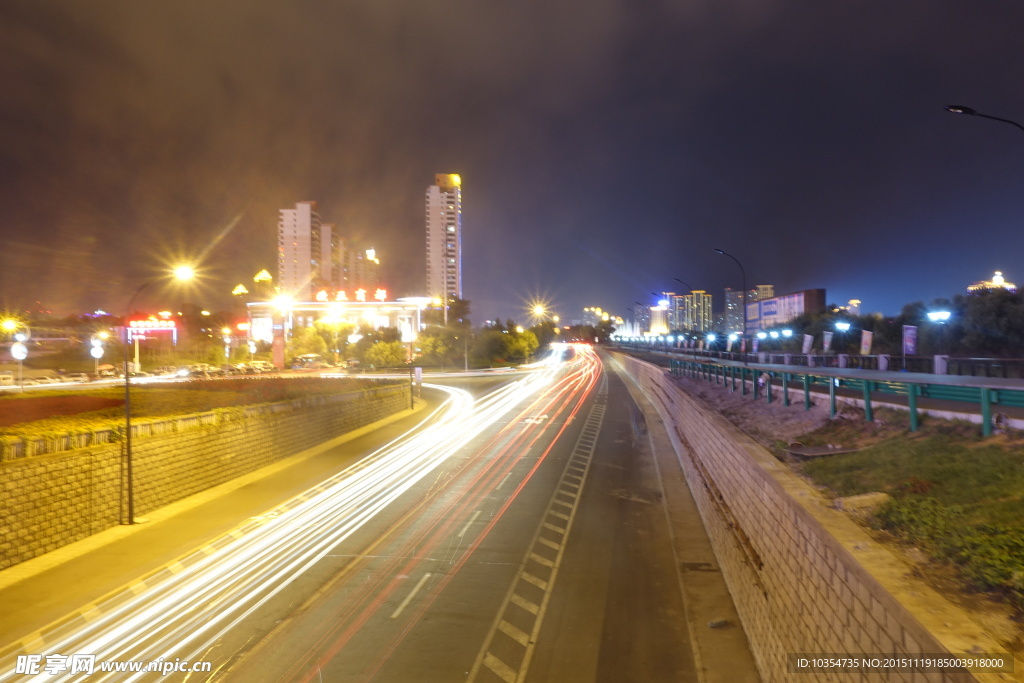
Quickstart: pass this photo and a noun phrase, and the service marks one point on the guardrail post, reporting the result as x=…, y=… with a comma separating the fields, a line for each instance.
x=831, y=397
x=768, y=388
x=912, y=406
x=743, y=381
x=869, y=416
x=941, y=365
x=785, y=389
x=986, y=411
x=807, y=392
x=753, y=386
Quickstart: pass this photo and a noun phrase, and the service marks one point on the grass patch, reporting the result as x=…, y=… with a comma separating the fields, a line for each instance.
x=959, y=497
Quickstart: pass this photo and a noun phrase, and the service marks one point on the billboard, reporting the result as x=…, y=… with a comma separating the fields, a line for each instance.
x=780, y=310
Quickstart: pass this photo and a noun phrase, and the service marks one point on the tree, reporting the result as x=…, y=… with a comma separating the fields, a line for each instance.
x=386, y=354
x=457, y=314
x=439, y=345
x=545, y=332
x=992, y=322
x=307, y=340
x=492, y=346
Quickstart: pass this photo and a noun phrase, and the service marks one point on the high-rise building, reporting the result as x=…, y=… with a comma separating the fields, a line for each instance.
x=698, y=311
x=444, y=237
x=363, y=270
x=304, y=251
x=733, y=314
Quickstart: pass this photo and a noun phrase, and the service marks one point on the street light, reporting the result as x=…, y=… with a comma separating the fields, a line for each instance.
x=180, y=273
x=959, y=109
x=96, y=342
x=940, y=318
x=743, y=297
x=842, y=327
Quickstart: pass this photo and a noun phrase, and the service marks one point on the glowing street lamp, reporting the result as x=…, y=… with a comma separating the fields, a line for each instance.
x=180, y=273
x=96, y=350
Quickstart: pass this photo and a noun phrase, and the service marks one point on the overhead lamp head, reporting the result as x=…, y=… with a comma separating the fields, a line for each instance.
x=960, y=109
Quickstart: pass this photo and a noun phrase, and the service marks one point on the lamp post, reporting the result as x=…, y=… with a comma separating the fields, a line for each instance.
x=180, y=273
x=743, y=298
x=842, y=327
x=19, y=350
x=96, y=350
x=960, y=109
x=940, y=318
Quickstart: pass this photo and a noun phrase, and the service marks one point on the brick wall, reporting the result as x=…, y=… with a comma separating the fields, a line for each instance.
x=804, y=577
x=48, y=501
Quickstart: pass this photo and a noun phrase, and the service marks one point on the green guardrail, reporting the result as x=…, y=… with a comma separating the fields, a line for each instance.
x=768, y=383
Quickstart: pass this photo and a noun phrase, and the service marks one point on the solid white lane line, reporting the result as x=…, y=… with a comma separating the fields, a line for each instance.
x=469, y=524
x=409, y=597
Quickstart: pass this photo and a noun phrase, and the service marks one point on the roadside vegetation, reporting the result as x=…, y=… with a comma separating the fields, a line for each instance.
x=958, y=497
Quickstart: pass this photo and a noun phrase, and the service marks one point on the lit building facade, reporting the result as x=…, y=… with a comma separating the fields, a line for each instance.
x=699, y=316
x=304, y=251
x=444, y=237
x=659, y=319
x=732, y=320
x=996, y=283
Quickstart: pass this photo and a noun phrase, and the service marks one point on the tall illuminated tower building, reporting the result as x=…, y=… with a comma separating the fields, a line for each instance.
x=444, y=237
x=303, y=251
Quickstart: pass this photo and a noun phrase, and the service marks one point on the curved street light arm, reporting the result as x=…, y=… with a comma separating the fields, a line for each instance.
x=959, y=109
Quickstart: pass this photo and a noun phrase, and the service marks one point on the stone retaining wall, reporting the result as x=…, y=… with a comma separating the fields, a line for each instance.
x=48, y=501
x=804, y=577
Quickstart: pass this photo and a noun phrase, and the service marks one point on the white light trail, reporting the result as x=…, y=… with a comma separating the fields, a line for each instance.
x=184, y=614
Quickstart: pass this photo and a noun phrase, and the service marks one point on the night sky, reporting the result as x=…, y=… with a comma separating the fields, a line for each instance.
x=606, y=147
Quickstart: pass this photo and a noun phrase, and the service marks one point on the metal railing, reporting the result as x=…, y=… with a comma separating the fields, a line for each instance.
x=762, y=380
x=1007, y=368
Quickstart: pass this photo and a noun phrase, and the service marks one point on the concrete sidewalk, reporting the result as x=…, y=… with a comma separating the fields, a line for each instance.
x=71, y=580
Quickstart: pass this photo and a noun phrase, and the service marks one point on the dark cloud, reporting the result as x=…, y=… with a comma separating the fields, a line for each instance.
x=606, y=148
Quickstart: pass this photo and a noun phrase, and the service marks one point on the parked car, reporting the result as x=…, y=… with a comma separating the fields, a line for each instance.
x=76, y=377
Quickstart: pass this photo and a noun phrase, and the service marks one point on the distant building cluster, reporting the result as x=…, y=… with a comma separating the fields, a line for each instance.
x=315, y=262
x=694, y=312
x=314, y=258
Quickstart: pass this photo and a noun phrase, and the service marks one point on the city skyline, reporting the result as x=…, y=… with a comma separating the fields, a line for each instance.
x=606, y=158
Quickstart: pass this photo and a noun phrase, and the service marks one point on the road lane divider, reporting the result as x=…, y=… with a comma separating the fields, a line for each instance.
x=510, y=642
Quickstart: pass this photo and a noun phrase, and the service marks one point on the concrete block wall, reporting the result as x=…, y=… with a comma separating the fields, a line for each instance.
x=49, y=501
x=804, y=577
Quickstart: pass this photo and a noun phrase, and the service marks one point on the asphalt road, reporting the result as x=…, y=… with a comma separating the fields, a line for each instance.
x=558, y=543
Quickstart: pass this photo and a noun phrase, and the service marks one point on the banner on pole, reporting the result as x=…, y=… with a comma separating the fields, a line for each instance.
x=808, y=342
x=909, y=340
x=827, y=341
x=865, y=342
